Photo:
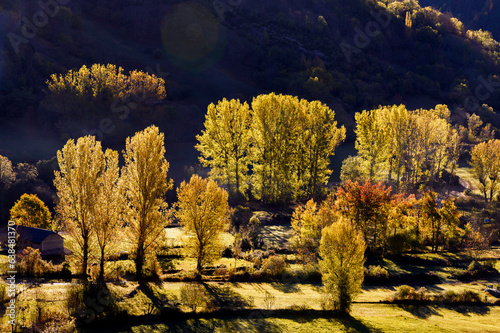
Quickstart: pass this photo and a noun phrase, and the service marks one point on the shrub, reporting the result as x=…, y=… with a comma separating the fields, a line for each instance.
x=376, y=272
x=30, y=263
x=274, y=266
x=407, y=293
x=310, y=272
x=467, y=296
x=269, y=300
x=193, y=296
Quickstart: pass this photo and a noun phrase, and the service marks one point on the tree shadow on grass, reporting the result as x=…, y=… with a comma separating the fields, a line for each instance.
x=159, y=301
x=285, y=287
x=421, y=311
x=222, y=325
x=467, y=310
x=225, y=298
x=350, y=323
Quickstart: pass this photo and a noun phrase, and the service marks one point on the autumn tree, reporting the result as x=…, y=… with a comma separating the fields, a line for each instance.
x=292, y=142
x=144, y=182
x=308, y=222
x=81, y=93
x=274, y=132
x=30, y=211
x=203, y=211
x=80, y=166
x=7, y=174
x=107, y=220
x=224, y=144
x=372, y=139
x=7, y=178
x=342, y=252
x=318, y=138
x=367, y=206
x=438, y=219
x=416, y=146
x=485, y=163
x=353, y=168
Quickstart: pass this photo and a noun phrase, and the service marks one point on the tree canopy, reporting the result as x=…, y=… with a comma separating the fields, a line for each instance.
x=30, y=211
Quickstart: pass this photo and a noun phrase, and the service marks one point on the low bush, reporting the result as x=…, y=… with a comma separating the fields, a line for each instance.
x=407, y=293
x=376, y=273
x=274, y=266
x=310, y=272
x=30, y=263
x=476, y=270
x=193, y=295
x=465, y=296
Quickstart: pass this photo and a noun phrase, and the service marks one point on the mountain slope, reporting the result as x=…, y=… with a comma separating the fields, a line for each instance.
x=352, y=55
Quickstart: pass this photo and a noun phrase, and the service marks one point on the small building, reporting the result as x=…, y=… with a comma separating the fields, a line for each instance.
x=48, y=242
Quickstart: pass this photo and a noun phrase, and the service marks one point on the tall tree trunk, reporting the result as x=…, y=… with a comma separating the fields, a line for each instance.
x=139, y=261
x=85, y=256
x=101, y=268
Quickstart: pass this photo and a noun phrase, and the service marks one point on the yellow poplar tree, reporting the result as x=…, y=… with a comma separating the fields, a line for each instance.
x=292, y=142
x=80, y=166
x=372, y=135
x=485, y=163
x=342, y=252
x=144, y=180
x=274, y=132
x=109, y=208
x=204, y=213
x=318, y=138
x=224, y=143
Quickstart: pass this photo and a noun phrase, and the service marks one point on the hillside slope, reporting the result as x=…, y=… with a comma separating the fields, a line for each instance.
x=352, y=55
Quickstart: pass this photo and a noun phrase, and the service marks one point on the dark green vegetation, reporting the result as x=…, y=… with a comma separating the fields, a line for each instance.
x=482, y=14
x=349, y=54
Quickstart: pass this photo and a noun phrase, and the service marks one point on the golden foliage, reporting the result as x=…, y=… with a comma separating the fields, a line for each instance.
x=144, y=182
x=204, y=214
x=30, y=211
x=342, y=252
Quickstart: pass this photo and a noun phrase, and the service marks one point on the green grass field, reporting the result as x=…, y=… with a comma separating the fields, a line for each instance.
x=368, y=315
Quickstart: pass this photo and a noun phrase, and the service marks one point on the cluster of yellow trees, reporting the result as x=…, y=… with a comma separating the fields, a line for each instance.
x=414, y=146
x=388, y=222
x=79, y=92
x=99, y=204
x=485, y=163
x=281, y=146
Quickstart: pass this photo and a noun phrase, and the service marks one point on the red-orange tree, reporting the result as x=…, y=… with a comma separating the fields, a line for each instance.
x=368, y=206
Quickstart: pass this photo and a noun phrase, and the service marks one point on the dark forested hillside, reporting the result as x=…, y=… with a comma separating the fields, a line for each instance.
x=480, y=14
x=352, y=55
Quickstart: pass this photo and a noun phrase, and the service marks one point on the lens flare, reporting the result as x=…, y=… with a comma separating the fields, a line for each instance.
x=192, y=36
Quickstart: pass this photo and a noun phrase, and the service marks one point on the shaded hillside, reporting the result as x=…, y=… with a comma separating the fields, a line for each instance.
x=480, y=14
x=352, y=55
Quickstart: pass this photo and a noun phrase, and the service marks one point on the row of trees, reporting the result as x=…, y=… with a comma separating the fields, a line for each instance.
x=281, y=147
x=414, y=146
x=80, y=93
x=100, y=204
x=389, y=222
